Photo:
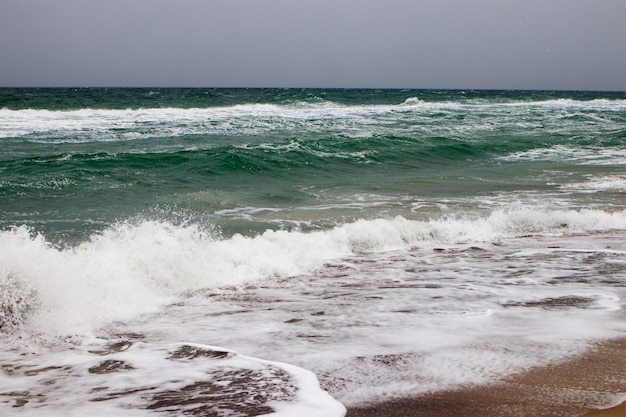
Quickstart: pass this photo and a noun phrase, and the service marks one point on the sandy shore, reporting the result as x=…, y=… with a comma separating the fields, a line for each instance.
x=586, y=386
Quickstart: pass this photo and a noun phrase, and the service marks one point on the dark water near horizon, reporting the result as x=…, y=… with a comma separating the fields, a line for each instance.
x=393, y=242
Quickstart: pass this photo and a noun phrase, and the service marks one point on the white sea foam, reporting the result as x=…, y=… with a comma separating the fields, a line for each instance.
x=139, y=379
x=583, y=155
x=413, y=101
x=375, y=309
x=132, y=269
x=85, y=125
x=604, y=183
x=376, y=325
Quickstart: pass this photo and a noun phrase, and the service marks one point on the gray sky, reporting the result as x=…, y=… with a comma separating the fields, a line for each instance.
x=508, y=44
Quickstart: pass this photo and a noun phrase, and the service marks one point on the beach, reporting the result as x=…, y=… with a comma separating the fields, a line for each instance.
x=426, y=252
x=587, y=386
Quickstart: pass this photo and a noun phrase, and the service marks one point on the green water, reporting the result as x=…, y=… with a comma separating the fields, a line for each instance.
x=75, y=161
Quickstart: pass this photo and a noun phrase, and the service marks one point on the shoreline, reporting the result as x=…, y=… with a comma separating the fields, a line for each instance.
x=590, y=385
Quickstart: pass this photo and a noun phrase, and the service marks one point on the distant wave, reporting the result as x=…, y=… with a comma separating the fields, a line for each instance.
x=605, y=183
x=584, y=155
x=412, y=101
x=112, y=124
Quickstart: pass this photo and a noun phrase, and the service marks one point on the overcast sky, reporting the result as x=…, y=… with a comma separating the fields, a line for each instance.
x=502, y=44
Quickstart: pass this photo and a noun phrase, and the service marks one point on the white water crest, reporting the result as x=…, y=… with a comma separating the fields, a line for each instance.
x=136, y=268
x=408, y=117
x=581, y=155
x=599, y=184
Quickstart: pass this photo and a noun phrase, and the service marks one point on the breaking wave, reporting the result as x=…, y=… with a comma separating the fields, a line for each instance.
x=131, y=269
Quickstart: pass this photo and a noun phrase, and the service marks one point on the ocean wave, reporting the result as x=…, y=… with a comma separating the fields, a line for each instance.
x=136, y=268
x=599, y=184
x=91, y=124
x=583, y=155
x=17, y=299
x=413, y=101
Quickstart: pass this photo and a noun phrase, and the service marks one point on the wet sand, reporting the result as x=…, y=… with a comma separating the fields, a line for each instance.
x=588, y=386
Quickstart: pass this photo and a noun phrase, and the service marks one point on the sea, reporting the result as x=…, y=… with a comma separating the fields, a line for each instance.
x=294, y=252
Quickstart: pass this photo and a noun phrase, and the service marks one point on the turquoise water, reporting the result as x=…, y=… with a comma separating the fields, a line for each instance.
x=393, y=242
x=243, y=160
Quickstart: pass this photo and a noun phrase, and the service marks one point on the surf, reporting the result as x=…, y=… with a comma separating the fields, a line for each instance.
x=136, y=268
